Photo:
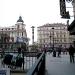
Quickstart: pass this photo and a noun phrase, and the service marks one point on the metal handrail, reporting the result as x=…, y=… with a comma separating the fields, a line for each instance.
x=25, y=54
x=36, y=67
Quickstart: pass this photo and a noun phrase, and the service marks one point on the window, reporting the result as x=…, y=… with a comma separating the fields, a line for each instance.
x=60, y=40
x=64, y=36
x=57, y=35
x=18, y=26
x=60, y=35
x=12, y=28
x=64, y=40
x=64, y=27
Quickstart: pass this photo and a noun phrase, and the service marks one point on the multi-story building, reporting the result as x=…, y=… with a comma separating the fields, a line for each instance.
x=14, y=34
x=53, y=34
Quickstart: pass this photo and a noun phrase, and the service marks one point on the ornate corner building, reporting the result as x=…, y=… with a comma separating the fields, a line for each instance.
x=13, y=35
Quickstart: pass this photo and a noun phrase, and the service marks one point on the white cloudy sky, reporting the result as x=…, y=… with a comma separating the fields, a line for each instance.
x=34, y=13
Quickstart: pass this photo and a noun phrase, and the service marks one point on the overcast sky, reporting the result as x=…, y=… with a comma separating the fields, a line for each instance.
x=34, y=13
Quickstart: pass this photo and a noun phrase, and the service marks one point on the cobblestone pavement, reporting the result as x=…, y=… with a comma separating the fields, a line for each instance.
x=59, y=65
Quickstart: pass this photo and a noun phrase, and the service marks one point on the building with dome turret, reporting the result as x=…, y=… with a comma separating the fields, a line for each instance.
x=15, y=34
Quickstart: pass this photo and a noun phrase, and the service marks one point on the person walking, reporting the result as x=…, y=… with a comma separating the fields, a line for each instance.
x=71, y=53
x=54, y=53
x=19, y=50
x=59, y=51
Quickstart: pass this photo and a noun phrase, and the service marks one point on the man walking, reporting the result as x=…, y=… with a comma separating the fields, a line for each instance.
x=59, y=50
x=71, y=53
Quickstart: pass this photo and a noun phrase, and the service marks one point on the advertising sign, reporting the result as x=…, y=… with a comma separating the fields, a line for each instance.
x=19, y=39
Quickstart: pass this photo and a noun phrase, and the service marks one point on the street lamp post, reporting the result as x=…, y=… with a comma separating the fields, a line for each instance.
x=54, y=52
x=2, y=35
x=50, y=39
x=53, y=38
x=2, y=38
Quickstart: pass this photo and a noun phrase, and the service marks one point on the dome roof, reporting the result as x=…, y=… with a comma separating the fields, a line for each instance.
x=20, y=19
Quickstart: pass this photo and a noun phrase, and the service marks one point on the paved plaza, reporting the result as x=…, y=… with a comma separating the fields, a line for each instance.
x=59, y=65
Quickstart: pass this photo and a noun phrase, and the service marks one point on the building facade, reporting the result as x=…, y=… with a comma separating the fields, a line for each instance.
x=54, y=34
x=14, y=34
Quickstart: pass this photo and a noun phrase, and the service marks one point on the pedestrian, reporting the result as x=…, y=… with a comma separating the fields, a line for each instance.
x=45, y=50
x=71, y=53
x=54, y=53
x=59, y=51
x=19, y=50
